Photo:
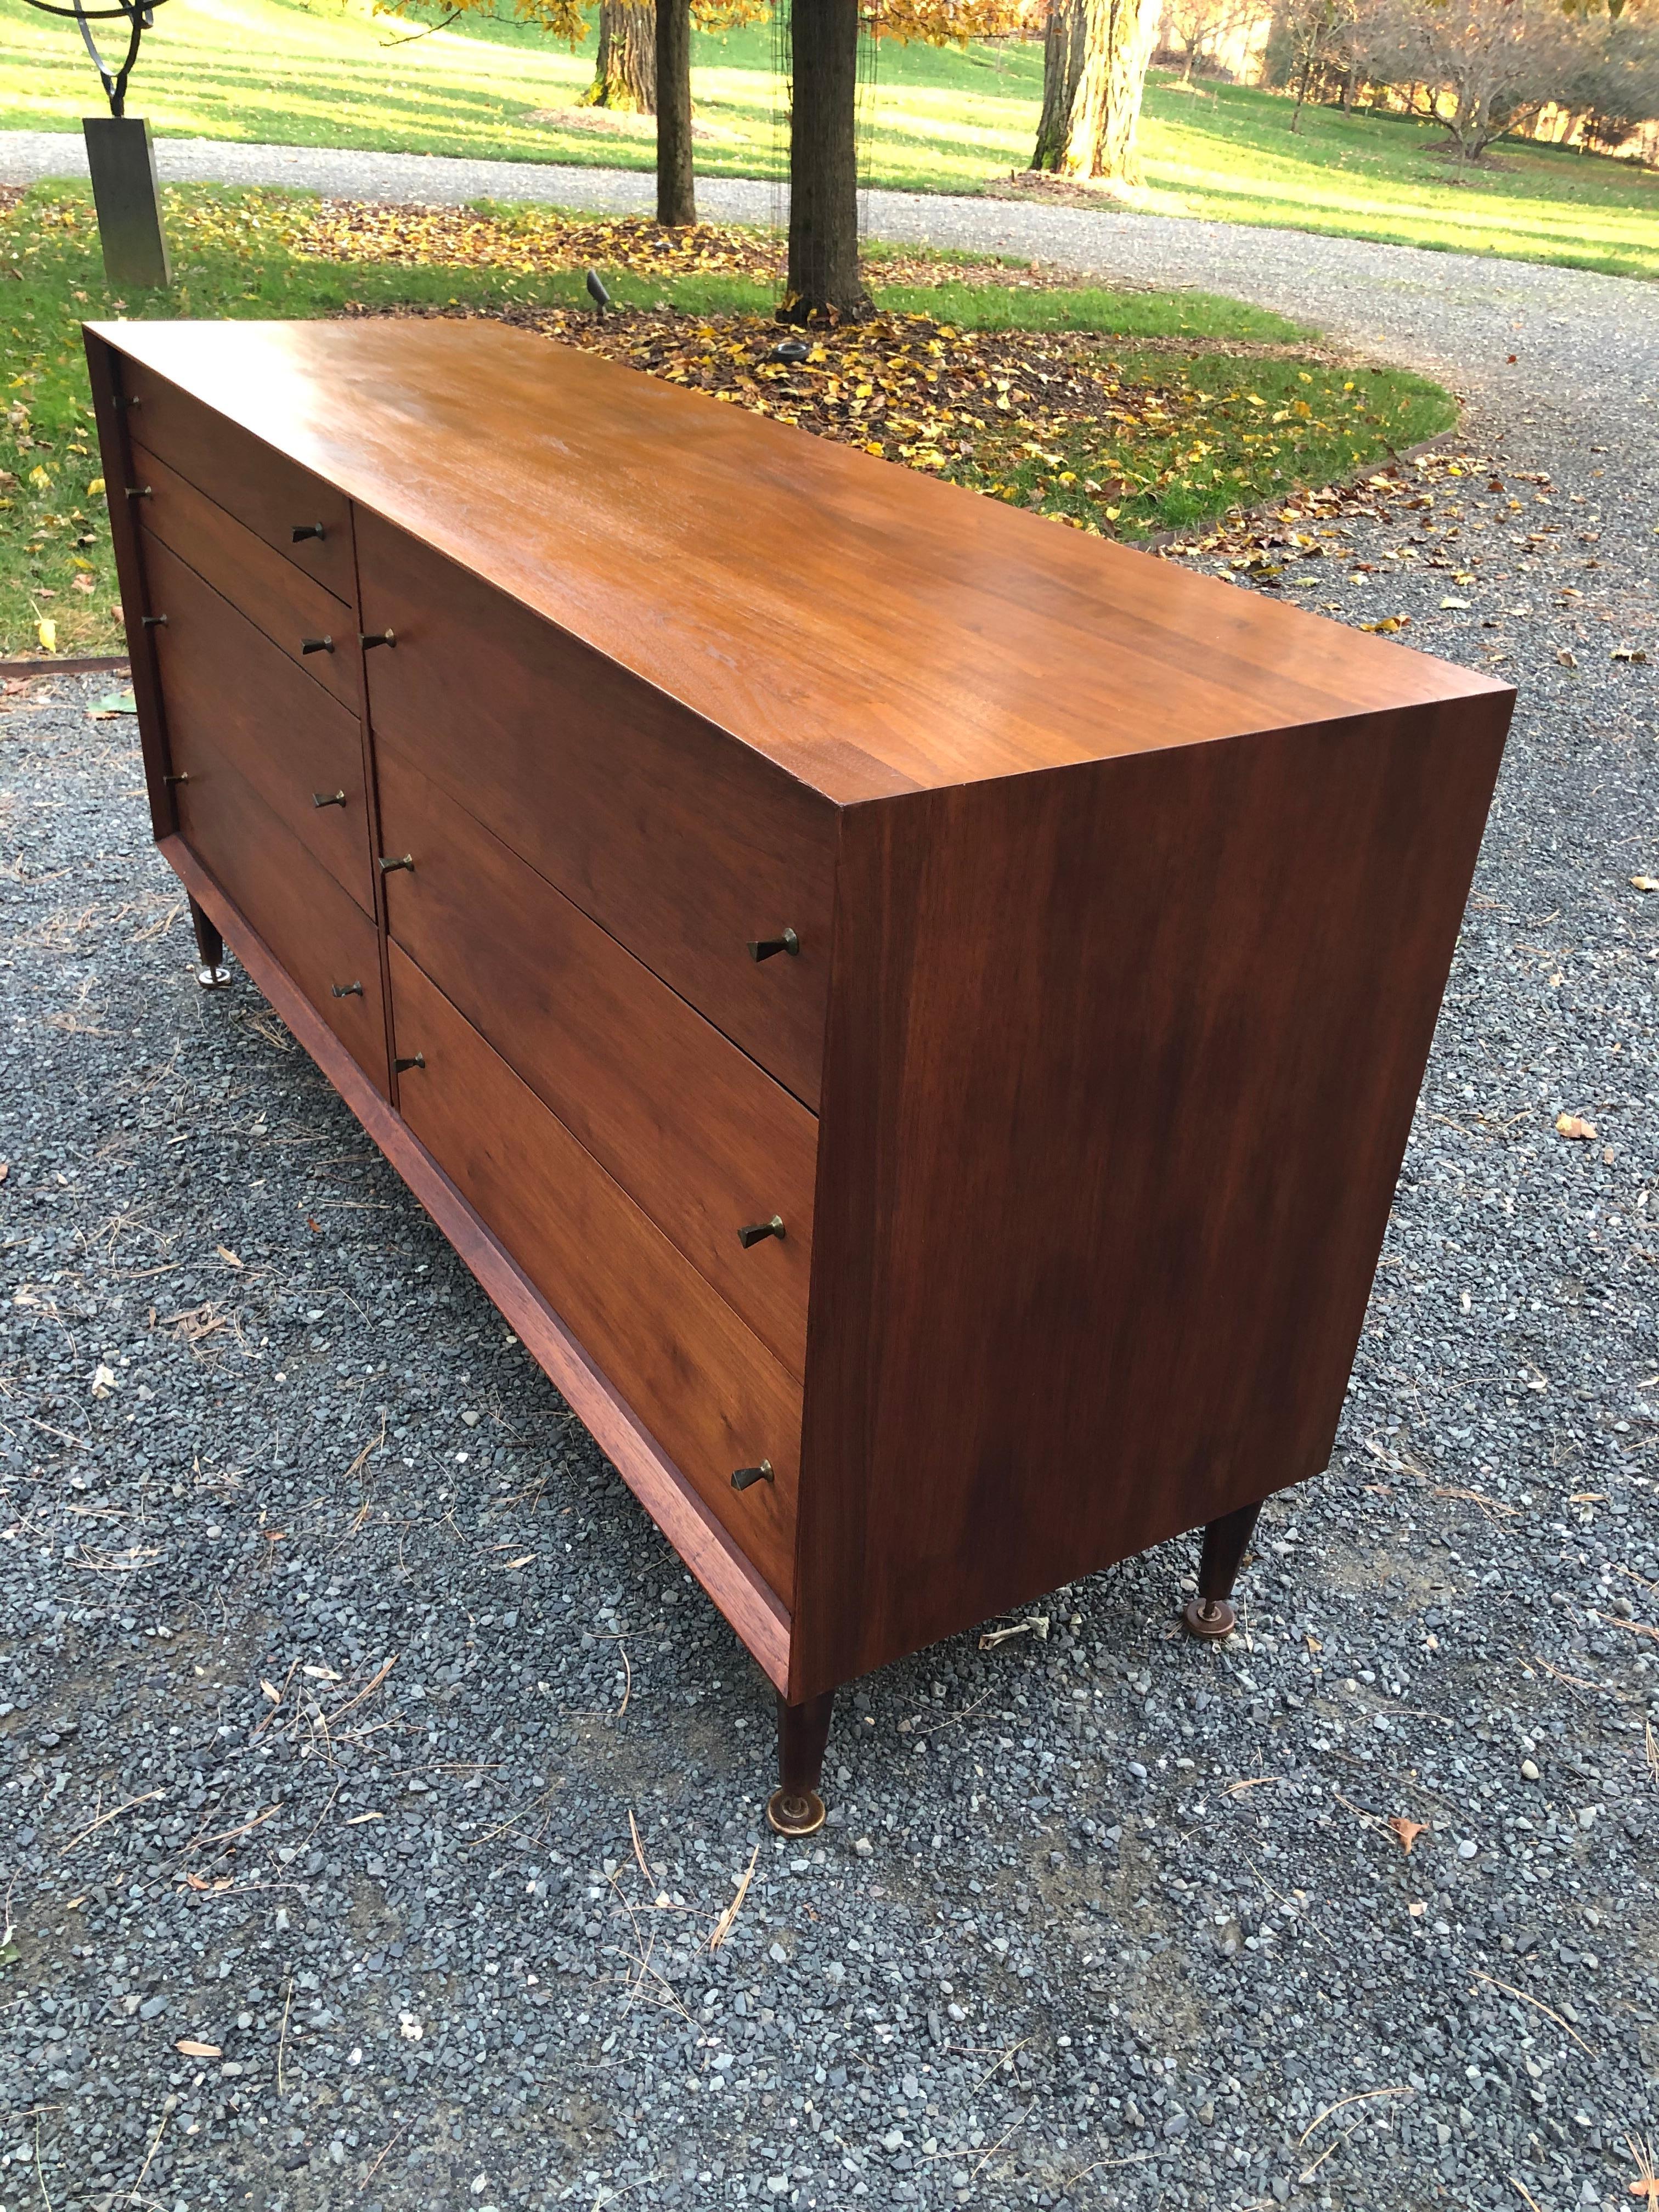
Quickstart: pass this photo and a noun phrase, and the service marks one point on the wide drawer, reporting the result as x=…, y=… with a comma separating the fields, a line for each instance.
x=703, y=1139
x=711, y=1393
x=322, y=937
x=683, y=843
x=278, y=499
x=228, y=692
x=293, y=609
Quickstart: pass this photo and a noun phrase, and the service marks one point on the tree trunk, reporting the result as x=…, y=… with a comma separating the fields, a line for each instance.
x=824, y=196
x=676, y=189
x=1119, y=39
x=625, y=73
x=1062, y=64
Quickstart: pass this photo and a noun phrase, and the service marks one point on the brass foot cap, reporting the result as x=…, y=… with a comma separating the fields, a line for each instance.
x=795, y=1813
x=211, y=977
x=1210, y=1617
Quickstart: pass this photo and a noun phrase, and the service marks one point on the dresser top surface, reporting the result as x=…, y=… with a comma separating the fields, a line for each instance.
x=869, y=629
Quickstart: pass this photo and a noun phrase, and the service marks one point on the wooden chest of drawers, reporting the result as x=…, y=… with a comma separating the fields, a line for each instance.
x=912, y=1014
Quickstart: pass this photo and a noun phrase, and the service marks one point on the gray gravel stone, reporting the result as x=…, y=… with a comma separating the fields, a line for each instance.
x=1124, y=1920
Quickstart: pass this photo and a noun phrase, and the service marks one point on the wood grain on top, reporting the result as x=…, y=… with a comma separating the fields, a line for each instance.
x=870, y=630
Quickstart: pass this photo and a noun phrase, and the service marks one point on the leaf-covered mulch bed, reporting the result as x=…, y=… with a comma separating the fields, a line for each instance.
x=530, y=239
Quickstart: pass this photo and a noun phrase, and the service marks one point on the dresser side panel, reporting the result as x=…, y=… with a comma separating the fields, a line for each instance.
x=1122, y=1062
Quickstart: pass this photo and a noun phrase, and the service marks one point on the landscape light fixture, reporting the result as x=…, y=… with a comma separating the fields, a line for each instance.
x=119, y=152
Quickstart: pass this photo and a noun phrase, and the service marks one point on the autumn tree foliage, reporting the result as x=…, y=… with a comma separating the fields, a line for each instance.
x=1481, y=68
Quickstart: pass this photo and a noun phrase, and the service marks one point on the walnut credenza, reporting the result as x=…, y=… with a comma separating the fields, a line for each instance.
x=912, y=1013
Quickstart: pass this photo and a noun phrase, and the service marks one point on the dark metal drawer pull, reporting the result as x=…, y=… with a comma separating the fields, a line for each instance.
x=347, y=990
x=419, y=1060
x=380, y=637
x=745, y=1478
x=308, y=530
x=387, y=867
x=139, y=491
x=154, y=622
x=316, y=644
x=175, y=779
x=763, y=948
x=328, y=798
x=762, y=1229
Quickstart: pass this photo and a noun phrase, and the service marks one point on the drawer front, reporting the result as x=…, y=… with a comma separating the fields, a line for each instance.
x=273, y=496
x=291, y=608
x=710, y=1393
x=323, y=939
x=681, y=843
x=699, y=1136
x=229, y=693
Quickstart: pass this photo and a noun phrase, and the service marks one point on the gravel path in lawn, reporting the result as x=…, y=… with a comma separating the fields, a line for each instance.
x=1100, y=1916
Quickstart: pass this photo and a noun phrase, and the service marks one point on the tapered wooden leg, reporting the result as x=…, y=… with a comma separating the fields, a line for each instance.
x=795, y=1808
x=1210, y=1614
x=212, y=975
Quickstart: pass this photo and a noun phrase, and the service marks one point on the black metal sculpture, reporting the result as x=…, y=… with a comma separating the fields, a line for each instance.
x=119, y=152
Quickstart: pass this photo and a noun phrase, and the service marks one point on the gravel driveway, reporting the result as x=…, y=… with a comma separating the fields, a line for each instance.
x=348, y=1697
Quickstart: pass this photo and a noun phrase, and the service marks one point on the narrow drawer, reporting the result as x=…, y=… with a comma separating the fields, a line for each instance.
x=229, y=693
x=710, y=1393
x=292, y=609
x=326, y=943
x=683, y=843
x=262, y=487
x=699, y=1136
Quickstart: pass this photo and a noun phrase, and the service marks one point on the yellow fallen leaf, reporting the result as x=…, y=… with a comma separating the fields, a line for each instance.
x=1460, y=606
x=1646, y=883
x=94, y=488
x=46, y=630
x=189, y=2048
x=1574, y=1125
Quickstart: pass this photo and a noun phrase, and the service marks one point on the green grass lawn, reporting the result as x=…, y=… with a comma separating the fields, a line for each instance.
x=334, y=74
x=1158, y=431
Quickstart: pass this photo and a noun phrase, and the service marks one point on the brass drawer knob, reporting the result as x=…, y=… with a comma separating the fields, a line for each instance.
x=328, y=798
x=316, y=644
x=347, y=990
x=745, y=1477
x=763, y=948
x=308, y=530
x=760, y=1230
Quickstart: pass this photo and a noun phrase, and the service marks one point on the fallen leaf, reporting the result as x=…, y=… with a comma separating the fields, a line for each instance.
x=322, y=1674
x=191, y=2049
x=46, y=630
x=1629, y=653
x=271, y=1691
x=5, y=1165
x=94, y=488
x=104, y=1380
x=1641, y=884
x=523, y=1562
x=1408, y=1831
x=1460, y=606
x=1567, y=657
x=226, y=1255
x=1574, y=1125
